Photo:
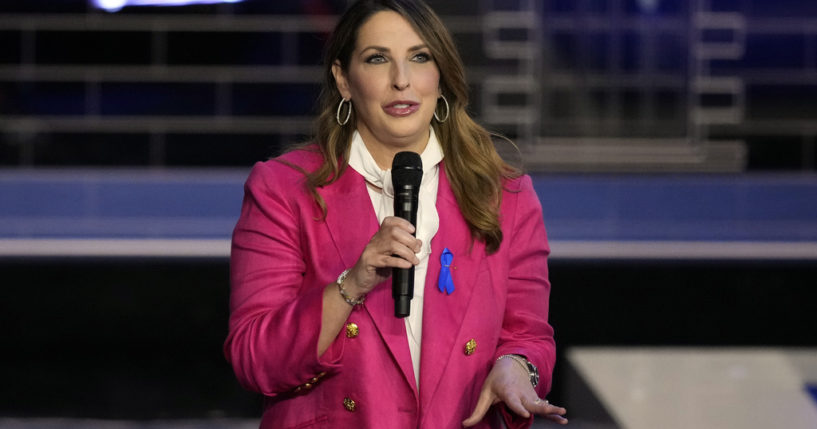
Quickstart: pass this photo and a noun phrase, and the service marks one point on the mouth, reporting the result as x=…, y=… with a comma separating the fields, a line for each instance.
x=401, y=108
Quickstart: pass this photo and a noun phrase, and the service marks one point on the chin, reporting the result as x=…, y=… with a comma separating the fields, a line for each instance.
x=410, y=134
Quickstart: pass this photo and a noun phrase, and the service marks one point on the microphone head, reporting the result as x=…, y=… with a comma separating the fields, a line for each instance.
x=406, y=169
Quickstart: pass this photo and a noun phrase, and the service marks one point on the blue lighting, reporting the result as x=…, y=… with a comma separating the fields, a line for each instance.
x=117, y=5
x=812, y=389
x=648, y=5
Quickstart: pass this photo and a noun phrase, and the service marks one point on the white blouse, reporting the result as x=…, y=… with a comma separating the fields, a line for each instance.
x=428, y=221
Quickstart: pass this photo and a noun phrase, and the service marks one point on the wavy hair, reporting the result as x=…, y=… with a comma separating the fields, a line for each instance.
x=474, y=168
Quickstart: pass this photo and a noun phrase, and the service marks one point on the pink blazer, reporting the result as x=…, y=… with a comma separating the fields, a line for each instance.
x=284, y=254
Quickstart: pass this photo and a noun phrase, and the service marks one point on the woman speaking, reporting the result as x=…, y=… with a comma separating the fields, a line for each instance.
x=312, y=323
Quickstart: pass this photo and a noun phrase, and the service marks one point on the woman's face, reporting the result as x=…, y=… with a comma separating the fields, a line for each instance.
x=393, y=83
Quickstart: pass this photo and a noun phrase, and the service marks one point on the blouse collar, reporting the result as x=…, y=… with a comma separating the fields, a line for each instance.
x=362, y=161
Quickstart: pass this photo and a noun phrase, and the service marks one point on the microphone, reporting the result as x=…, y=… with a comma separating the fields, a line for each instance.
x=406, y=175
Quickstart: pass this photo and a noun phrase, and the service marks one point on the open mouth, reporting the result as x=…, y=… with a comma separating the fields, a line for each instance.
x=401, y=108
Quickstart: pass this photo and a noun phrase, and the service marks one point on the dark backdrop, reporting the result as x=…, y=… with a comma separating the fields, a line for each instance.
x=141, y=339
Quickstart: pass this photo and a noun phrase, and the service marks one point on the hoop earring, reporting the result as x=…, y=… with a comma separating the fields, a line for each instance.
x=348, y=112
x=447, y=111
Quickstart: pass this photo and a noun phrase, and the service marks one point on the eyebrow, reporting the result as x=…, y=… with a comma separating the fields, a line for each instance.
x=385, y=49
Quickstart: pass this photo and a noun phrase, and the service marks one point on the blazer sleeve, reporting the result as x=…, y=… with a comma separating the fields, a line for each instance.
x=525, y=327
x=275, y=318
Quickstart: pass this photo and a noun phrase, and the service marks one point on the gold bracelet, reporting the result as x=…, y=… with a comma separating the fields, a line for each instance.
x=349, y=300
x=527, y=366
x=516, y=358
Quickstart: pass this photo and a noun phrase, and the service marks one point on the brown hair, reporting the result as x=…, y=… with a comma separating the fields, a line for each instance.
x=473, y=167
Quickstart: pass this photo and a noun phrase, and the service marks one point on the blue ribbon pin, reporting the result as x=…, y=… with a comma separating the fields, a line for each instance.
x=446, y=282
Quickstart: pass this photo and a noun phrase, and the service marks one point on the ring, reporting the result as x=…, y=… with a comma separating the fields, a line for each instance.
x=538, y=401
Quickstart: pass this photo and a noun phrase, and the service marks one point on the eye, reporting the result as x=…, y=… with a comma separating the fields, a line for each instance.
x=376, y=59
x=422, y=57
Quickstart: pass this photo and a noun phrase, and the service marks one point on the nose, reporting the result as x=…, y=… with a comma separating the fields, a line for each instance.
x=400, y=76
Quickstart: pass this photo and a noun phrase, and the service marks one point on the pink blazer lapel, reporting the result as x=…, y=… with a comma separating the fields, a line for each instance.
x=351, y=229
x=349, y=226
x=442, y=313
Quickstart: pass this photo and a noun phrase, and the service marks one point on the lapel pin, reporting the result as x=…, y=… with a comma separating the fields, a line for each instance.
x=446, y=282
x=470, y=346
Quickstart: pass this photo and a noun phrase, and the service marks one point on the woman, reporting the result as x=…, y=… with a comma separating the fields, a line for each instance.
x=312, y=325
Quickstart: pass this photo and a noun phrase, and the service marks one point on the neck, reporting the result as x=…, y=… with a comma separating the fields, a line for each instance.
x=383, y=153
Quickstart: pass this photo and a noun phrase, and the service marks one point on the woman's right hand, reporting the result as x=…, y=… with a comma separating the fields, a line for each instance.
x=393, y=246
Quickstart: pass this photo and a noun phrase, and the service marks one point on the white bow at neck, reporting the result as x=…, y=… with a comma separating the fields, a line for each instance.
x=362, y=161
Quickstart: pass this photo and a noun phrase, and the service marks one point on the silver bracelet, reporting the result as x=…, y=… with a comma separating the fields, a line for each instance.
x=346, y=297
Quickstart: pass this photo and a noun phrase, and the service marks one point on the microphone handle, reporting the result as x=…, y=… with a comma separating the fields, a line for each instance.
x=405, y=206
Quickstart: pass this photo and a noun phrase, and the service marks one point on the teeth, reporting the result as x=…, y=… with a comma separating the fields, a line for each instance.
x=401, y=106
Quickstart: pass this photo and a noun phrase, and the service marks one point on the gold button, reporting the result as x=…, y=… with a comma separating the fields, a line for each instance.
x=307, y=386
x=314, y=380
x=322, y=374
x=349, y=404
x=470, y=346
x=352, y=330
x=298, y=389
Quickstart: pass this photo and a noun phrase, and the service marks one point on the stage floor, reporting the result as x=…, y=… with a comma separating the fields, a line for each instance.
x=724, y=388
x=637, y=387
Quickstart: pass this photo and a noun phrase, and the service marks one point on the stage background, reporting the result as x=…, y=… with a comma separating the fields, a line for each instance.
x=672, y=144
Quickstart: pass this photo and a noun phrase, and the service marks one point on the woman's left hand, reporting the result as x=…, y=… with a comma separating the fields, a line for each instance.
x=509, y=383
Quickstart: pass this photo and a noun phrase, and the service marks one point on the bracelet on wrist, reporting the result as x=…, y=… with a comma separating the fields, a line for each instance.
x=349, y=300
x=516, y=358
x=527, y=366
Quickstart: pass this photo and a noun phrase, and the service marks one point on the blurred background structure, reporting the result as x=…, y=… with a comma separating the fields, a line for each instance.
x=623, y=85
x=673, y=144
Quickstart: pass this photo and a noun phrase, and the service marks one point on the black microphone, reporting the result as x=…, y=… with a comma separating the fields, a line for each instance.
x=406, y=175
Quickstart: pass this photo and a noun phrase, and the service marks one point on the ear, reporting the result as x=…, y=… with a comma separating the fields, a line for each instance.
x=341, y=81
